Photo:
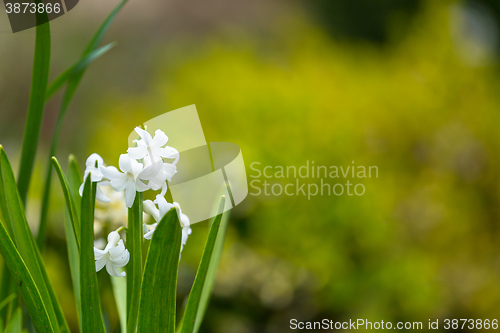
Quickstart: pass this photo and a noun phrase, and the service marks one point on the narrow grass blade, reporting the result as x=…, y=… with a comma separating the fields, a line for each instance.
x=79, y=66
x=192, y=306
x=7, y=284
x=134, y=267
x=7, y=300
x=15, y=323
x=70, y=204
x=62, y=324
x=40, y=77
x=74, y=261
x=31, y=295
x=24, y=239
x=91, y=305
x=120, y=292
x=74, y=181
x=212, y=271
x=157, y=305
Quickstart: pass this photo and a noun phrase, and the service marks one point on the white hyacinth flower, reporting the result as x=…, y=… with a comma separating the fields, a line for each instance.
x=130, y=179
x=167, y=171
x=96, y=176
x=158, y=213
x=113, y=256
x=153, y=148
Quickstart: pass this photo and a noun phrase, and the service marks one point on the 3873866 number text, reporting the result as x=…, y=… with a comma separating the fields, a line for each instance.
x=32, y=8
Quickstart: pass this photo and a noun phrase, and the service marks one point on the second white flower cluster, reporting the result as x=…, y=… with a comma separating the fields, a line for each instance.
x=148, y=166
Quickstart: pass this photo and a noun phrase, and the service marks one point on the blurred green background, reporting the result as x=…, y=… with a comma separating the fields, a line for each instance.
x=409, y=86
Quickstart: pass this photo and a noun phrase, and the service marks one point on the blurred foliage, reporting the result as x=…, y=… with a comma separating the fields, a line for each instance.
x=422, y=243
x=364, y=19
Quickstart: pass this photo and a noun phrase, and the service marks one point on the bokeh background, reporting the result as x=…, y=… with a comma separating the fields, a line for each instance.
x=409, y=86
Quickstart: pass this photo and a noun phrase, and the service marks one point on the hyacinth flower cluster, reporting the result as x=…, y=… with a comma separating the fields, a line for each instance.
x=146, y=298
x=148, y=166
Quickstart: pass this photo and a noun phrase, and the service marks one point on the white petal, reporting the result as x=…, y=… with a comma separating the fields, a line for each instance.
x=170, y=170
x=137, y=152
x=149, y=234
x=130, y=194
x=95, y=175
x=169, y=152
x=149, y=207
x=136, y=168
x=151, y=171
x=125, y=163
x=144, y=135
x=111, y=173
x=160, y=139
x=99, y=264
x=112, y=270
x=98, y=254
x=163, y=205
x=140, y=186
x=101, y=196
x=121, y=257
x=164, y=190
x=90, y=163
x=114, y=239
x=185, y=220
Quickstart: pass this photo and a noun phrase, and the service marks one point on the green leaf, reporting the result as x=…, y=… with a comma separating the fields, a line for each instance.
x=74, y=261
x=70, y=204
x=31, y=295
x=7, y=284
x=120, y=292
x=73, y=82
x=91, y=305
x=134, y=267
x=193, y=303
x=24, y=239
x=74, y=182
x=40, y=77
x=157, y=304
x=15, y=323
x=212, y=271
x=7, y=300
x=74, y=179
x=63, y=325
x=79, y=66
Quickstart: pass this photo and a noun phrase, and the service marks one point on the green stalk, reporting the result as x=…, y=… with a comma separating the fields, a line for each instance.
x=39, y=81
x=134, y=267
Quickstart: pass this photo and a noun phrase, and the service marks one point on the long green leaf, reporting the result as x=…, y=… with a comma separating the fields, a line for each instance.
x=120, y=293
x=91, y=305
x=74, y=262
x=74, y=182
x=63, y=325
x=40, y=77
x=190, y=314
x=79, y=66
x=134, y=267
x=15, y=323
x=157, y=305
x=74, y=179
x=24, y=239
x=73, y=82
x=7, y=284
x=70, y=204
x=212, y=271
x=31, y=295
